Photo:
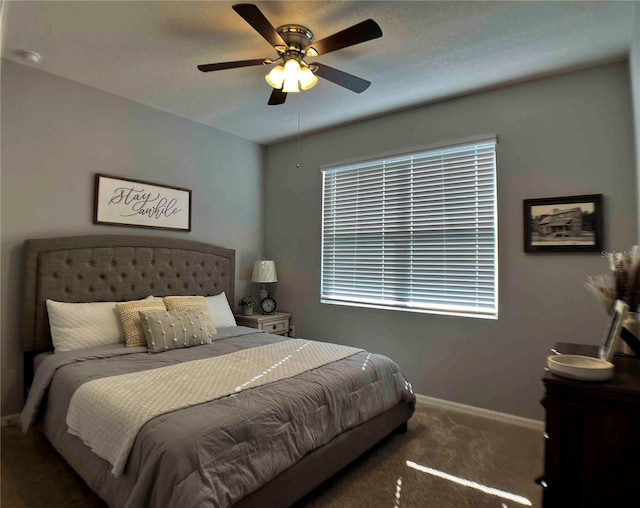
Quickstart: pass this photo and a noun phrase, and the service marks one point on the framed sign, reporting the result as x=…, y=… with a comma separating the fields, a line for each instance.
x=127, y=202
x=564, y=224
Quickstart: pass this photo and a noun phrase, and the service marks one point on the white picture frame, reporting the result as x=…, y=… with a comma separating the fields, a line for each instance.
x=135, y=203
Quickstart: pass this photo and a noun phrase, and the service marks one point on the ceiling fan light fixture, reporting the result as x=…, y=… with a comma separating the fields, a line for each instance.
x=293, y=43
x=291, y=76
x=290, y=85
x=307, y=78
x=291, y=69
x=275, y=78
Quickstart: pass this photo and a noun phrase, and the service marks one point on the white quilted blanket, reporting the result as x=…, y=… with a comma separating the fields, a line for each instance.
x=107, y=413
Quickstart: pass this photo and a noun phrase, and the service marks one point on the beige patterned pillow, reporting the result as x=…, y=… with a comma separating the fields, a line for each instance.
x=183, y=303
x=175, y=329
x=128, y=312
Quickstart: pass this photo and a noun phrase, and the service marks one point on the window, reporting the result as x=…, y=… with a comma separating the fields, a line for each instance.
x=413, y=231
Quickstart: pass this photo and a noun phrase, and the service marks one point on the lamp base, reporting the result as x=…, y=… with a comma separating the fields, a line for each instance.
x=263, y=293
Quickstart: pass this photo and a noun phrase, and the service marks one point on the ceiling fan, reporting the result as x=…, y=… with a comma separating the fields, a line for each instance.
x=293, y=43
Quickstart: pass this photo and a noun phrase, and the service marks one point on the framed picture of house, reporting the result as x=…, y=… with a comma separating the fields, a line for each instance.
x=564, y=224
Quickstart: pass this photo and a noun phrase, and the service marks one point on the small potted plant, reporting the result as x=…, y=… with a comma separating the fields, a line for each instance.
x=247, y=303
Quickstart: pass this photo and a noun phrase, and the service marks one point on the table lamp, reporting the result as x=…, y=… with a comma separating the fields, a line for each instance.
x=264, y=272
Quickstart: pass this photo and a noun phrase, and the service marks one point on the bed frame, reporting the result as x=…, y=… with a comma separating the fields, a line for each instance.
x=120, y=268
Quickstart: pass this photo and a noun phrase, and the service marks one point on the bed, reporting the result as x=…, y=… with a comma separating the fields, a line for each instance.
x=267, y=445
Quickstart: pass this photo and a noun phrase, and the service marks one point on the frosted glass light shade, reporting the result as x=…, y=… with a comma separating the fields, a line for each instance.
x=264, y=271
x=276, y=77
x=290, y=85
x=307, y=78
x=291, y=73
x=291, y=69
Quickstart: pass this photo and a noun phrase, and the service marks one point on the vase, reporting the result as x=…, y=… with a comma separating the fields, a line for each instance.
x=631, y=323
x=247, y=311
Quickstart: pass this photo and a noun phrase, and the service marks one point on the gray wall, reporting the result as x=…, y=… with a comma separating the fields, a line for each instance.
x=566, y=135
x=56, y=134
x=634, y=64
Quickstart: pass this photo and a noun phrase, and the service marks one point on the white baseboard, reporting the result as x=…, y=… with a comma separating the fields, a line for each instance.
x=9, y=420
x=478, y=411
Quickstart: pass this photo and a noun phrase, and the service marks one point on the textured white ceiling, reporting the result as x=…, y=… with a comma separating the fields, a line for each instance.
x=148, y=52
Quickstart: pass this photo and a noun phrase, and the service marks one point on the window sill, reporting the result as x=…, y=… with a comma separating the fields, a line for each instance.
x=410, y=309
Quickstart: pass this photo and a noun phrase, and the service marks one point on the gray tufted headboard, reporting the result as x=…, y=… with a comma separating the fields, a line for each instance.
x=115, y=268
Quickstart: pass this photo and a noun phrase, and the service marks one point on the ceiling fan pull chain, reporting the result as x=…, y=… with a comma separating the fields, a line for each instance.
x=299, y=100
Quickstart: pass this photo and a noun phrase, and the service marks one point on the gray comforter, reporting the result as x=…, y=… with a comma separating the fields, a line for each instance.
x=216, y=453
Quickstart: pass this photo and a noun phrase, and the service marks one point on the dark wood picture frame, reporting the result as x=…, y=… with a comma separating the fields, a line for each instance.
x=564, y=224
x=120, y=201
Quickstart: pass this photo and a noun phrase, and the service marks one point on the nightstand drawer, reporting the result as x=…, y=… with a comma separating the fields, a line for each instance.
x=276, y=323
x=276, y=327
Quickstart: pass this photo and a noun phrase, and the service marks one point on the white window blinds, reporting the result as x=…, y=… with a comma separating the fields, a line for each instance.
x=414, y=231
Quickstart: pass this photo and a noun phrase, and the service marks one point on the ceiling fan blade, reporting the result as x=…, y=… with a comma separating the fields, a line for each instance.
x=362, y=32
x=230, y=65
x=277, y=97
x=353, y=83
x=252, y=15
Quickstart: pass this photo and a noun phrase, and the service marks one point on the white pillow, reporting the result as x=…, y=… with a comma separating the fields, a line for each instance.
x=220, y=311
x=82, y=325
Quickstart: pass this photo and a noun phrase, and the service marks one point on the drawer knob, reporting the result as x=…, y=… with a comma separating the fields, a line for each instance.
x=274, y=327
x=542, y=482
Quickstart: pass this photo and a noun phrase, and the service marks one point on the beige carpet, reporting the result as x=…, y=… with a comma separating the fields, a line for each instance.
x=465, y=448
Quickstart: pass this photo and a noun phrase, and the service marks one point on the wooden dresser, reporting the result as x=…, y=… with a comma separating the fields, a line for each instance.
x=592, y=449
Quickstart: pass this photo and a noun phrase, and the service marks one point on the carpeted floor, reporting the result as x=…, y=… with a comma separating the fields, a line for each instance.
x=492, y=455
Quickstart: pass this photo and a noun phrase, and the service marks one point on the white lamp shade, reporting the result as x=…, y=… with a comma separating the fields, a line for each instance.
x=276, y=77
x=290, y=86
x=291, y=69
x=307, y=78
x=264, y=271
x=291, y=73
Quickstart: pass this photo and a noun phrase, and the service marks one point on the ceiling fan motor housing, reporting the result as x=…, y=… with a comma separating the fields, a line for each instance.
x=297, y=37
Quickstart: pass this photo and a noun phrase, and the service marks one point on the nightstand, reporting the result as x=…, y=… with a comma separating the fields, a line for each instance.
x=276, y=323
